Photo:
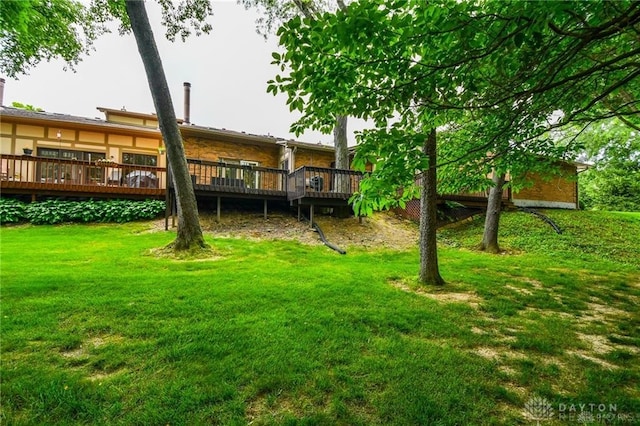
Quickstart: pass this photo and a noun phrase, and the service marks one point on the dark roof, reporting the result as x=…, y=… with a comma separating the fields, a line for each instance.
x=72, y=119
x=307, y=145
x=186, y=129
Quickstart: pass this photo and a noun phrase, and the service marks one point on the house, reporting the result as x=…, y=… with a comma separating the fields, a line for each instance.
x=557, y=191
x=122, y=156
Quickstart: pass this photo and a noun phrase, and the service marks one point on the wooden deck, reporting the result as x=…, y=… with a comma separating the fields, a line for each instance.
x=41, y=176
x=27, y=175
x=232, y=180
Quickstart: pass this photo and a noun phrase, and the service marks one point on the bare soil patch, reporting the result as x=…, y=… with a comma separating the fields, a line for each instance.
x=471, y=299
x=382, y=230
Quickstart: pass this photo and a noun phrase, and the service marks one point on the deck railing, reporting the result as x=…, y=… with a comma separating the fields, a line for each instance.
x=237, y=179
x=57, y=174
x=506, y=194
x=319, y=182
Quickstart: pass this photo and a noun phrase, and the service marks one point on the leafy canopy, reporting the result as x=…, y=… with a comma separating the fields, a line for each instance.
x=36, y=30
x=495, y=71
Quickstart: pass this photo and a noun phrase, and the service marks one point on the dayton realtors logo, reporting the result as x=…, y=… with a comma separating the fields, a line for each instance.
x=540, y=409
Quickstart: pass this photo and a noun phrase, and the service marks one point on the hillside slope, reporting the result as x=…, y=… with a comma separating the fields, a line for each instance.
x=613, y=236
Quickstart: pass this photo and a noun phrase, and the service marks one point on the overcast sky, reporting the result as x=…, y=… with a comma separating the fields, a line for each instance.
x=228, y=70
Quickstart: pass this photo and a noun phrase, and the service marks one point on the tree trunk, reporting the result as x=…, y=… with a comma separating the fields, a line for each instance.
x=429, y=271
x=492, y=219
x=341, y=143
x=341, y=182
x=189, y=233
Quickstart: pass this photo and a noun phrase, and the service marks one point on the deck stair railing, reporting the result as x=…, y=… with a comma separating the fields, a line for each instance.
x=320, y=182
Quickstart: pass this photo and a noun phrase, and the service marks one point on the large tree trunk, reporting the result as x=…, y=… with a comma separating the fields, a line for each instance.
x=189, y=233
x=341, y=143
x=429, y=271
x=341, y=182
x=492, y=219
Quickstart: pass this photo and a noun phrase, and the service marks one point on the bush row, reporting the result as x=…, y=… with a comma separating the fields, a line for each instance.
x=56, y=211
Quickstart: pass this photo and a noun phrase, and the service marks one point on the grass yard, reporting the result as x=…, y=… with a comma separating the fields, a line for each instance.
x=95, y=330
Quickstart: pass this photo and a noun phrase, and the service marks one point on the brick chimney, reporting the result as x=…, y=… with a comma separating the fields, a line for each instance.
x=187, y=102
x=1, y=91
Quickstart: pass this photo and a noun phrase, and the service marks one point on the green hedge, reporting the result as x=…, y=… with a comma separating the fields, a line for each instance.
x=55, y=211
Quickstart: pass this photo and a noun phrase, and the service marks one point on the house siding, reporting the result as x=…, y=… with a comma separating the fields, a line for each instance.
x=559, y=191
x=307, y=157
x=16, y=136
x=216, y=150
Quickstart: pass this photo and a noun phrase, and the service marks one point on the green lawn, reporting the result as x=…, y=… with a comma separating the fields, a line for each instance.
x=95, y=330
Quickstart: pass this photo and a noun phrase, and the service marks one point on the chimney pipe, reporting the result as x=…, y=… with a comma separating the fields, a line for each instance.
x=187, y=102
x=1, y=92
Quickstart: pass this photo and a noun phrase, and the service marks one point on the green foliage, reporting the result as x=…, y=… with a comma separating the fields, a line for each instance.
x=55, y=211
x=589, y=236
x=27, y=107
x=610, y=188
x=37, y=30
x=12, y=211
x=492, y=74
x=612, y=181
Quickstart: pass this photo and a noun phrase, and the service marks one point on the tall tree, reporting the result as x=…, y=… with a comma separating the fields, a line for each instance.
x=189, y=233
x=517, y=152
x=32, y=31
x=274, y=14
x=429, y=271
x=423, y=65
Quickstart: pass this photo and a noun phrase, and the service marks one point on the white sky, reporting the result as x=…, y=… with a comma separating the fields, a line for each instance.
x=228, y=70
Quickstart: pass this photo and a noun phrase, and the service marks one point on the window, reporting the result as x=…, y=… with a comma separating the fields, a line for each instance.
x=250, y=176
x=68, y=154
x=61, y=172
x=140, y=159
x=230, y=172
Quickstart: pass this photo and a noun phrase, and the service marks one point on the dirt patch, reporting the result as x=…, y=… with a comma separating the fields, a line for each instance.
x=518, y=290
x=534, y=283
x=75, y=354
x=488, y=353
x=598, y=344
x=600, y=362
x=471, y=299
x=198, y=254
x=382, y=230
x=599, y=313
x=85, y=347
x=275, y=407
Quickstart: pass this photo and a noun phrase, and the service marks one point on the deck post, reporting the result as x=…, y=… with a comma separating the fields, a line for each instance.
x=218, y=209
x=311, y=215
x=174, y=211
x=167, y=208
x=265, y=209
x=299, y=212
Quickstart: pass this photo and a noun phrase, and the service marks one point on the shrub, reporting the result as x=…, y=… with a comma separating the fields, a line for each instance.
x=12, y=211
x=56, y=211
